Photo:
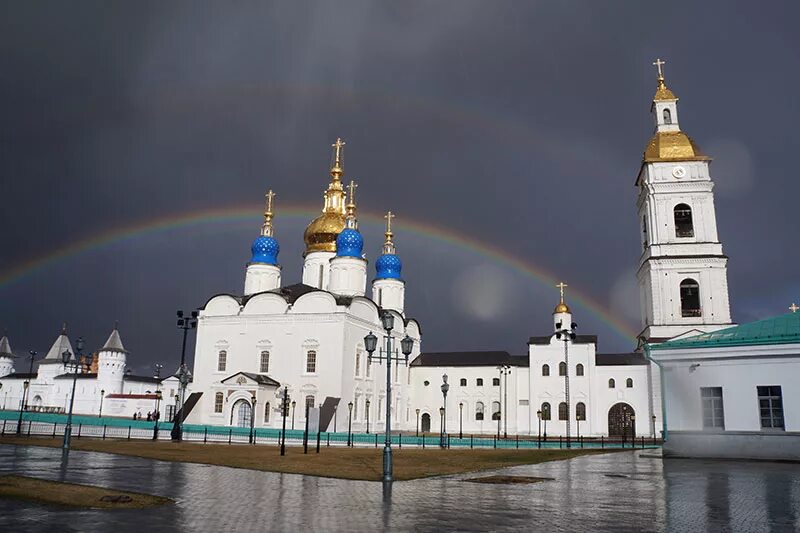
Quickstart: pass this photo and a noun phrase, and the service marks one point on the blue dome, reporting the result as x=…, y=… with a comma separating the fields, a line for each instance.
x=349, y=243
x=389, y=266
x=265, y=250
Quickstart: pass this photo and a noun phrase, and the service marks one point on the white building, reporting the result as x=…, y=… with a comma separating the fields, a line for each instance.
x=734, y=392
x=102, y=381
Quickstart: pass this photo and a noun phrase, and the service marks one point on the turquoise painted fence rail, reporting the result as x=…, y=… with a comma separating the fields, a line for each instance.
x=112, y=427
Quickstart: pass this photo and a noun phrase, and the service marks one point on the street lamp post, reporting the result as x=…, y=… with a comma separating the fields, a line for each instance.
x=184, y=323
x=441, y=433
x=567, y=334
x=183, y=378
x=633, y=430
x=252, y=418
x=417, y=410
x=349, y=422
x=66, y=358
x=406, y=345
x=32, y=354
x=366, y=405
x=445, y=387
x=539, y=416
x=102, y=395
x=157, y=415
x=460, y=420
x=654, y=426
x=578, y=426
x=293, y=405
x=505, y=370
x=284, y=413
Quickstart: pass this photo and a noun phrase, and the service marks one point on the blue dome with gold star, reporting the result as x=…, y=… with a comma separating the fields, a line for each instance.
x=265, y=250
x=389, y=266
x=349, y=243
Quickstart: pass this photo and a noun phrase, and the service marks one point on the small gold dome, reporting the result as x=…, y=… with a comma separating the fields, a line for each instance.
x=320, y=235
x=672, y=146
x=561, y=308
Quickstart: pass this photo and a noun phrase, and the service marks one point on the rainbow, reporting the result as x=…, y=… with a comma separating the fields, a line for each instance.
x=253, y=214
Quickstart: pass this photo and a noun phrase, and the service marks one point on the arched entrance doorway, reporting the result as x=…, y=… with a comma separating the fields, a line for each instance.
x=426, y=423
x=240, y=414
x=621, y=421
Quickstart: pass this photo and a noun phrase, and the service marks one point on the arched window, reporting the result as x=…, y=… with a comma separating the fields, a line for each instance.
x=667, y=116
x=545, y=411
x=579, y=369
x=690, y=298
x=562, y=368
x=463, y=382
x=358, y=363
x=479, y=382
x=580, y=411
x=264, y=361
x=479, y=411
x=495, y=410
x=218, y=399
x=266, y=413
x=562, y=411
x=612, y=383
x=629, y=383
x=495, y=382
x=545, y=370
x=222, y=360
x=309, y=402
x=311, y=361
x=683, y=221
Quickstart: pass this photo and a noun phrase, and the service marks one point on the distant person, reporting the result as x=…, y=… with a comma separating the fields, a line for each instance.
x=149, y=416
x=134, y=415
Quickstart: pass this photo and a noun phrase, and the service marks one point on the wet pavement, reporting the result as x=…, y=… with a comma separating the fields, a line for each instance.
x=626, y=491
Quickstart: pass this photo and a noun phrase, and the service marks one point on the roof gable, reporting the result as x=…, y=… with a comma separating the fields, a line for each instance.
x=248, y=378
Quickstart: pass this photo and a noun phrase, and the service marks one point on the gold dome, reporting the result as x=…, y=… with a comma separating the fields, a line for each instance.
x=672, y=146
x=561, y=308
x=320, y=235
x=663, y=92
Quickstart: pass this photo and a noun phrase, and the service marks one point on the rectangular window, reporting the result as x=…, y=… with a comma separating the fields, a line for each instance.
x=396, y=366
x=218, y=399
x=266, y=413
x=311, y=361
x=264, y=361
x=713, y=413
x=770, y=405
x=380, y=408
x=369, y=365
x=222, y=362
x=358, y=363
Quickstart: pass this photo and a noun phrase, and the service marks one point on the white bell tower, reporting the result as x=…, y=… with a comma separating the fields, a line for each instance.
x=682, y=275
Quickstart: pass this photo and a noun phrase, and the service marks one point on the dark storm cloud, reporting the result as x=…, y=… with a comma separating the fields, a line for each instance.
x=521, y=124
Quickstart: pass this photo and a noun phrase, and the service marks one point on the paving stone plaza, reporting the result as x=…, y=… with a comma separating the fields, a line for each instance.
x=625, y=491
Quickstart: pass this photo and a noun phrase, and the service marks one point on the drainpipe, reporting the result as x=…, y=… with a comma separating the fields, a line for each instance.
x=663, y=391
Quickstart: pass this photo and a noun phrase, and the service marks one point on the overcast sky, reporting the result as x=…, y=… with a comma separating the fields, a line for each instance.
x=518, y=124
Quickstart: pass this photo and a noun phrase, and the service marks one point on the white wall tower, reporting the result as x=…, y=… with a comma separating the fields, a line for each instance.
x=263, y=271
x=682, y=272
x=111, y=363
x=6, y=357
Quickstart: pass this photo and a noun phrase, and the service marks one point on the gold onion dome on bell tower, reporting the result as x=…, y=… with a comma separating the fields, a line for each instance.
x=321, y=233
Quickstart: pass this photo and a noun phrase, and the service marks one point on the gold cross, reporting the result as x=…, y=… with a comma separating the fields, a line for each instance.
x=338, y=146
x=562, y=286
x=793, y=308
x=269, y=196
x=389, y=216
x=352, y=191
x=658, y=64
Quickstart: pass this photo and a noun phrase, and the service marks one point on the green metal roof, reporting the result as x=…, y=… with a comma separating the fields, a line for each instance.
x=782, y=329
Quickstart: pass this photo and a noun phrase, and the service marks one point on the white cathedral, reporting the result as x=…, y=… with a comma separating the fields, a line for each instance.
x=309, y=337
